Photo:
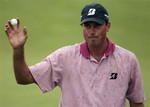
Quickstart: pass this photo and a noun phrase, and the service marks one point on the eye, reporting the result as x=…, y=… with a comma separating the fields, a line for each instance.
x=86, y=25
x=97, y=25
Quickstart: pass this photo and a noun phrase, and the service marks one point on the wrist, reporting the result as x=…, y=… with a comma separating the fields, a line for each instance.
x=18, y=52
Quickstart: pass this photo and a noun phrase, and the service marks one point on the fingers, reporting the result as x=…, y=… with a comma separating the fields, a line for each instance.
x=10, y=25
x=25, y=31
x=7, y=30
x=18, y=23
x=10, y=28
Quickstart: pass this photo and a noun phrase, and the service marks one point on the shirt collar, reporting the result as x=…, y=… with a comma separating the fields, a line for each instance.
x=84, y=50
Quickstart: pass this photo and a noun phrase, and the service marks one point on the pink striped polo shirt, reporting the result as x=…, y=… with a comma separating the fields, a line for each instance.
x=85, y=82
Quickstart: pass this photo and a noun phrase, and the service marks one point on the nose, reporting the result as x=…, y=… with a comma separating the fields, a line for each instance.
x=92, y=30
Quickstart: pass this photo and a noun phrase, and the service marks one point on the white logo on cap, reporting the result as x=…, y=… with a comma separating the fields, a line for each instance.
x=106, y=15
x=91, y=11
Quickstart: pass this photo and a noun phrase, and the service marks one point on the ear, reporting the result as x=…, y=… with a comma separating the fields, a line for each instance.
x=108, y=26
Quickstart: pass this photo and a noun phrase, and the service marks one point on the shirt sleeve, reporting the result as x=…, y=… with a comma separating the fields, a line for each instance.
x=135, y=92
x=47, y=73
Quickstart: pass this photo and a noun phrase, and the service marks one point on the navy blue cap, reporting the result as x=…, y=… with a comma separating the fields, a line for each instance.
x=95, y=13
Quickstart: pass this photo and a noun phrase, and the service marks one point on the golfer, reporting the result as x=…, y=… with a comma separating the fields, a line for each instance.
x=93, y=73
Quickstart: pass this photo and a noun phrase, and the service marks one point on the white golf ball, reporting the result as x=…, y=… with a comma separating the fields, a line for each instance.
x=14, y=22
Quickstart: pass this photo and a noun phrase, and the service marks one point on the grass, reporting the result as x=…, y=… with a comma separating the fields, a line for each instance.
x=53, y=24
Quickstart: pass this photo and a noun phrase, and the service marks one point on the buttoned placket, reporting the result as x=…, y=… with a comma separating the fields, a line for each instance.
x=97, y=75
x=98, y=63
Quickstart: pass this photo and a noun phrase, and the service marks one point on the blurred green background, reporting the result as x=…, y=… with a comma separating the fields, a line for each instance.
x=53, y=24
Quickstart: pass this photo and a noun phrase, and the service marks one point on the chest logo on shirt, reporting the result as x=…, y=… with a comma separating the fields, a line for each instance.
x=113, y=75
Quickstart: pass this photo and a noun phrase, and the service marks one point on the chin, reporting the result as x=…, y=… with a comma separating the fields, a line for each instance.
x=94, y=44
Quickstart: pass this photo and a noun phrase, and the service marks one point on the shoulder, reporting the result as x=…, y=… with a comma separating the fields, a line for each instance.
x=125, y=54
x=66, y=51
x=69, y=49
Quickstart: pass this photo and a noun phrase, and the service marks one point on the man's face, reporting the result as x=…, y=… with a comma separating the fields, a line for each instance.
x=95, y=34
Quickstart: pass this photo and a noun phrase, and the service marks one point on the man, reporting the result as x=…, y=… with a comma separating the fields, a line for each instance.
x=94, y=73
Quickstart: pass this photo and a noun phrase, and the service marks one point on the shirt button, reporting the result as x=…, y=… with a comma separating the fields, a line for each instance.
x=99, y=76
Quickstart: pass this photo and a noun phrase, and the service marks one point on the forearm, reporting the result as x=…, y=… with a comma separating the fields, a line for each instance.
x=136, y=104
x=21, y=70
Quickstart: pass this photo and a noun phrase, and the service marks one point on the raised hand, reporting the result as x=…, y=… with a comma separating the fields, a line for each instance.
x=16, y=37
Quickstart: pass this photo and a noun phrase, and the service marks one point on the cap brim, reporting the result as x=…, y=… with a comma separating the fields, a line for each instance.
x=99, y=21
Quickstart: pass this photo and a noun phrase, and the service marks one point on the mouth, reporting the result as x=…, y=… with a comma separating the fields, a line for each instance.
x=92, y=37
